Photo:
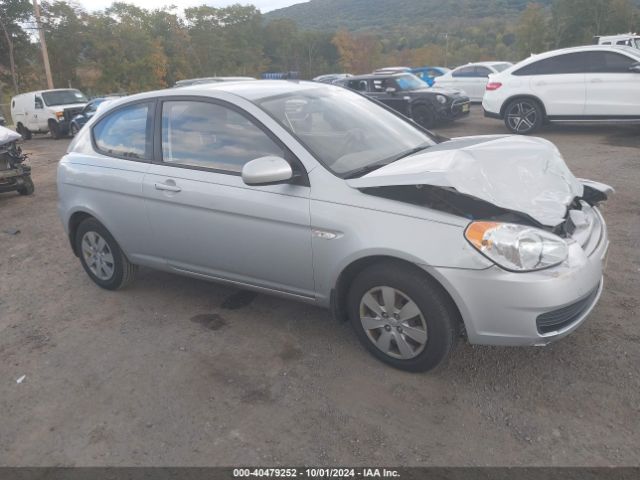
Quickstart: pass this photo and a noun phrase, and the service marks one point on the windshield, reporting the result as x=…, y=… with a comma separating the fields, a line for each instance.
x=345, y=131
x=409, y=82
x=63, y=97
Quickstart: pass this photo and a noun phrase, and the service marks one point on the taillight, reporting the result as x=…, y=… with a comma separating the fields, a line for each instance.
x=493, y=85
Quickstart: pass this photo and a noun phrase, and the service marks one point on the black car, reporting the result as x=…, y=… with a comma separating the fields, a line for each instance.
x=406, y=93
x=85, y=114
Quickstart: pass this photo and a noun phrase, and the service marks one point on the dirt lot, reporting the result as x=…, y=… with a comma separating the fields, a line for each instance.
x=175, y=371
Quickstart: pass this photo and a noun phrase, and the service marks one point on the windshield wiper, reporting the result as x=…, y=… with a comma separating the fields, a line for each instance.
x=374, y=166
x=368, y=169
x=408, y=153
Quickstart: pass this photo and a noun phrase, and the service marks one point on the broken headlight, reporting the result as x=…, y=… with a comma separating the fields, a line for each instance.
x=516, y=247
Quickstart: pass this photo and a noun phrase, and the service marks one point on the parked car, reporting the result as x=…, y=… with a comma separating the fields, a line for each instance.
x=203, y=80
x=471, y=78
x=409, y=95
x=593, y=83
x=332, y=77
x=14, y=174
x=429, y=74
x=315, y=193
x=45, y=111
x=86, y=113
x=624, y=39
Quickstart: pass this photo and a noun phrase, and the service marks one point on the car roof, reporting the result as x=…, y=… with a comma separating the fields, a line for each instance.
x=370, y=76
x=586, y=48
x=484, y=64
x=254, y=90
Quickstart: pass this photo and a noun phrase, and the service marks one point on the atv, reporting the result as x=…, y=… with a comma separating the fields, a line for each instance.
x=14, y=175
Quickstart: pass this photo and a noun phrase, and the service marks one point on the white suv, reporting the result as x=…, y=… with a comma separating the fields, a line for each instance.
x=593, y=83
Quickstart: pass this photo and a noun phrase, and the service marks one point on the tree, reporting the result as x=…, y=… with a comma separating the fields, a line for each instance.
x=358, y=53
x=531, y=31
x=12, y=13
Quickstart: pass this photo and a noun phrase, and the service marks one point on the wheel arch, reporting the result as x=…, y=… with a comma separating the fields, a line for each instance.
x=349, y=272
x=523, y=96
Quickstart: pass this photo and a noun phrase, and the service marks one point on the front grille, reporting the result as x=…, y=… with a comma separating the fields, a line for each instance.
x=565, y=316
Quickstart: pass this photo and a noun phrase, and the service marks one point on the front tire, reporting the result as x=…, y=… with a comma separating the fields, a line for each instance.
x=523, y=116
x=101, y=256
x=402, y=316
x=424, y=116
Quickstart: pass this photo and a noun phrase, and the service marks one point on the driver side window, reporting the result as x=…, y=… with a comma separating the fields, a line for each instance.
x=212, y=136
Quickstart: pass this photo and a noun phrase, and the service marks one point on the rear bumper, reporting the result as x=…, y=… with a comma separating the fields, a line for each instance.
x=492, y=114
x=534, y=308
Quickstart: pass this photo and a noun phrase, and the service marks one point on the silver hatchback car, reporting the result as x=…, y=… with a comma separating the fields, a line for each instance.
x=318, y=194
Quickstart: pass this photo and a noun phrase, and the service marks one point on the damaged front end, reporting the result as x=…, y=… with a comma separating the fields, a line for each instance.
x=523, y=204
x=14, y=174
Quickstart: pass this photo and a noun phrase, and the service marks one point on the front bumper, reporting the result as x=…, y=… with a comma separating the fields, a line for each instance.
x=534, y=308
x=458, y=108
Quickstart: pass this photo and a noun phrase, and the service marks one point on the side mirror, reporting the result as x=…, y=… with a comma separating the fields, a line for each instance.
x=267, y=171
x=635, y=67
x=38, y=104
x=390, y=90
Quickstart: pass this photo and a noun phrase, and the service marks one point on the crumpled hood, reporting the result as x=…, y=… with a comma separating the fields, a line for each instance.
x=526, y=174
x=8, y=136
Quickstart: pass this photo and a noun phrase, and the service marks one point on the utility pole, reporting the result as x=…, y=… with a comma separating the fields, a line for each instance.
x=446, y=50
x=43, y=44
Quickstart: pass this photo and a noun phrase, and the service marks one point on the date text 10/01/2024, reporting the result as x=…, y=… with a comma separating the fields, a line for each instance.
x=315, y=473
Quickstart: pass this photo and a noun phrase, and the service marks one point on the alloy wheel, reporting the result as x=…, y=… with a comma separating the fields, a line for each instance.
x=522, y=116
x=393, y=322
x=97, y=255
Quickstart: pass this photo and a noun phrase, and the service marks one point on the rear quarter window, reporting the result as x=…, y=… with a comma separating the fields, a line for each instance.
x=125, y=132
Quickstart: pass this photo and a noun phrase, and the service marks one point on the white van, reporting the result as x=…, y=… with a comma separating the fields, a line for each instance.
x=46, y=111
x=624, y=39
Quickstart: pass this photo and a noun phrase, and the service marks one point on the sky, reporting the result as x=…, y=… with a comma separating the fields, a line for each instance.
x=263, y=5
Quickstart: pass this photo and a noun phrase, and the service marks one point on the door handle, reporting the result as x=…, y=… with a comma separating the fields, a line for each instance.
x=168, y=187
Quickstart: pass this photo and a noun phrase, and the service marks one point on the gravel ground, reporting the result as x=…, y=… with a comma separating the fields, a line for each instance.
x=176, y=371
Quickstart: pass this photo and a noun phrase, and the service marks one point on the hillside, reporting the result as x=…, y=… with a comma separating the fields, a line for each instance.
x=380, y=14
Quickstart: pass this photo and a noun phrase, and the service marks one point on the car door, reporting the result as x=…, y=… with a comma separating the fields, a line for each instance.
x=612, y=88
x=559, y=82
x=394, y=99
x=206, y=220
x=35, y=115
x=465, y=78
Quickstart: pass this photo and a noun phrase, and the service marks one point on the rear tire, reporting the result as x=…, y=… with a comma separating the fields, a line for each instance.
x=27, y=188
x=523, y=116
x=24, y=131
x=54, y=129
x=101, y=256
x=417, y=340
x=424, y=116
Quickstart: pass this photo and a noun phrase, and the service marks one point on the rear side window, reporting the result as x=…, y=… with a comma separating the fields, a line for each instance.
x=208, y=135
x=610, y=62
x=482, y=72
x=465, y=72
x=125, y=133
x=560, y=64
